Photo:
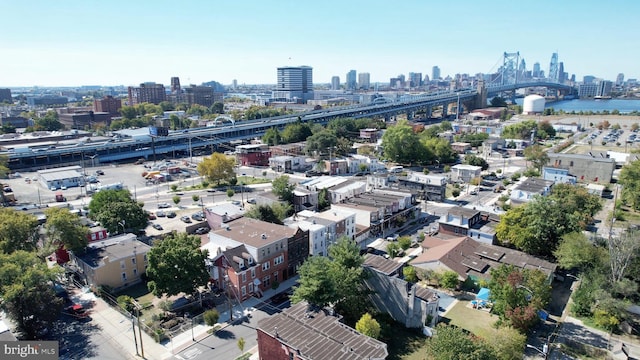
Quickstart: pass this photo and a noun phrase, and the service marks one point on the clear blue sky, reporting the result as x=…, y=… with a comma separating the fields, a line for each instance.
x=117, y=42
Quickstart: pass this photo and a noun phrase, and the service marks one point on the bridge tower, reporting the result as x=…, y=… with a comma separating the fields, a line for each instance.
x=509, y=69
x=481, y=98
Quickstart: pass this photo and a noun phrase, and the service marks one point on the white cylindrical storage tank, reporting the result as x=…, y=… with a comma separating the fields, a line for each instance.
x=533, y=104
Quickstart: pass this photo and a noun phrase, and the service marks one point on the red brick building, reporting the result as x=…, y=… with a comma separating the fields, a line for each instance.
x=253, y=155
x=311, y=333
x=256, y=255
x=108, y=104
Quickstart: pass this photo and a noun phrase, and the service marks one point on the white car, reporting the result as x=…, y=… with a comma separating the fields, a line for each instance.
x=164, y=205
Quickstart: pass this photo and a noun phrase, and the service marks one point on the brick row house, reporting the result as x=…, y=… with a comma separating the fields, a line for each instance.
x=251, y=255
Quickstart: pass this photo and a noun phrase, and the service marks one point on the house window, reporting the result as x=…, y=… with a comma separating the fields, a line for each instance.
x=250, y=288
x=266, y=265
x=133, y=261
x=253, y=273
x=122, y=265
x=244, y=291
x=275, y=276
x=124, y=276
x=145, y=258
x=244, y=277
x=266, y=281
x=279, y=260
x=135, y=272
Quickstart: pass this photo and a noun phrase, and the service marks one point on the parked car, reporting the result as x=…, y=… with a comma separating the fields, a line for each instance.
x=202, y=230
x=171, y=214
x=161, y=214
x=197, y=216
x=99, y=172
x=157, y=226
x=164, y=205
x=152, y=216
x=186, y=219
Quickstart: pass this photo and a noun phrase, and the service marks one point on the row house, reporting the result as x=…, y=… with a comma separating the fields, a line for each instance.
x=426, y=187
x=217, y=216
x=530, y=187
x=253, y=155
x=324, y=228
x=355, y=163
x=381, y=211
x=251, y=255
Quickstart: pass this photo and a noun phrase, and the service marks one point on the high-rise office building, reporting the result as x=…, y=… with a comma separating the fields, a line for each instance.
x=561, y=74
x=335, y=83
x=588, y=79
x=364, y=81
x=175, y=85
x=295, y=83
x=415, y=79
x=148, y=92
x=553, y=68
x=435, y=73
x=5, y=95
x=620, y=79
x=536, y=70
x=351, y=80
x=234, y=84
x=604, y=88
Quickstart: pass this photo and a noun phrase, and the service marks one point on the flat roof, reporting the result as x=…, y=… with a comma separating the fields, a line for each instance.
x=254, y=232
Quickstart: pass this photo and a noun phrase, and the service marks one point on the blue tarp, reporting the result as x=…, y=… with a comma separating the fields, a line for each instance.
x=483, y=294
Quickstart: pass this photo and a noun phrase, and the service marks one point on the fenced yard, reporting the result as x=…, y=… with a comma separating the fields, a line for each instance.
x=478, y=322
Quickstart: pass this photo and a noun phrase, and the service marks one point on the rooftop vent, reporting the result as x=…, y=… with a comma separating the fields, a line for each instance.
x=264, y=236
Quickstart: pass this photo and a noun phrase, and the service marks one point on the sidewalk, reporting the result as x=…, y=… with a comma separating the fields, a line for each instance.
x=184, y=340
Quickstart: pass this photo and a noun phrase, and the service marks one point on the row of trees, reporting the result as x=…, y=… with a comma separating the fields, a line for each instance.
x=401, y=144
x=523, y=130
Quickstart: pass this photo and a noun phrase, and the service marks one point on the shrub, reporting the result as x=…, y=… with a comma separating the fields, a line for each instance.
x=404, y=242
x=174, y=187
x=211, y=317
x=125, y=302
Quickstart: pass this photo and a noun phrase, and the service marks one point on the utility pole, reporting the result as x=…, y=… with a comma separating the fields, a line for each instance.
x=140, y=330
x=135, y=340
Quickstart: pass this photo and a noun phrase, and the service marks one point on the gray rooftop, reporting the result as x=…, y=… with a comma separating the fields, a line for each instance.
x=115, y=248
x=534, y=185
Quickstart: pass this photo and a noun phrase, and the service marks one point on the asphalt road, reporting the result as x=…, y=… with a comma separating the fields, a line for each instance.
x=224, y=343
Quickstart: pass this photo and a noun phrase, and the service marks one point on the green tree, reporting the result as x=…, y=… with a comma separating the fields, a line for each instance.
x=630, y=181
x=507, y=343
x=49, y=122
x=402, y=145
x=409, y=273
x=282, y=188
x=323, y=199
x=217, y=108
x=26, y=292
x=211, y=317
x=217, y=168
x=177, y=264
x=438, y=149
x=272, y=137
x=176, y=199
x=537, y=154
x=476, y=161
x=321, y=143
x=367, y=325
x=18, y=231
x=393, y=249
x=316, y=284
x=115, y=215
x=576, y=251
x=265, y=213
x=241, y=344
x=296, y=132
x=404, y=242
x=195, y=198
x=63, y=227
x=102, y=199
x=449, y=280
x=498, y=102
x=452, y=343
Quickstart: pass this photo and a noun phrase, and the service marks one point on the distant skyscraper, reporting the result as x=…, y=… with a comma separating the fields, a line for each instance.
x=553, y=68
x=435, y=73
x=235, y=84
x=620, y=79
x=364, y=81
x=588, y=79
x=294, y=83
x=604, y=88
x=536, y=70
x=5, y=95
x=415, y=79
x=561, y=75
x=335, y=83
x=175, y=85
x=351, y=80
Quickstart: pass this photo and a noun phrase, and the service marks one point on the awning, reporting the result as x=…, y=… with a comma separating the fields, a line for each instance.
x=256, y=282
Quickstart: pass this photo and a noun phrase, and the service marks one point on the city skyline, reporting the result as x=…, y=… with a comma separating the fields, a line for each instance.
x=74, y=43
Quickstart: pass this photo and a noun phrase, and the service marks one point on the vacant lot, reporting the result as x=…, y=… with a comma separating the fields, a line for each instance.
x=478, y=322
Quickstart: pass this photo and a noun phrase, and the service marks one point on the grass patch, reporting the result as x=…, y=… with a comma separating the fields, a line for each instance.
x=403, y=343
x=250, y=180
x=244, y=357
x=139, y=292
x=478, y=322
